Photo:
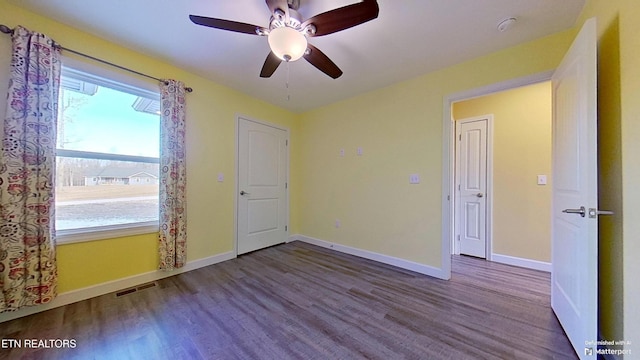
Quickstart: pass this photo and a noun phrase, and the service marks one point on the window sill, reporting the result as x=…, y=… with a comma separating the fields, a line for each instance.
x=71, y=236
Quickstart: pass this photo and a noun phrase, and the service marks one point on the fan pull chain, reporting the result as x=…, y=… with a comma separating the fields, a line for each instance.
x=287, y=83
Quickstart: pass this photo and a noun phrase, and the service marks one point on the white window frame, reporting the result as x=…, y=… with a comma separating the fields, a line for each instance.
x=86, y=72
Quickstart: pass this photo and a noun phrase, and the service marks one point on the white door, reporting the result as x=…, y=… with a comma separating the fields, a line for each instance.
x=471, y=150
x=574, y=277
x=262, y=186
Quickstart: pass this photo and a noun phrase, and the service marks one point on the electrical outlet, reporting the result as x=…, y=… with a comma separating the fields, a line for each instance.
x=359, y=151
x=341, y=152
x=338, y=224
x=414, y=179
x=220, y=177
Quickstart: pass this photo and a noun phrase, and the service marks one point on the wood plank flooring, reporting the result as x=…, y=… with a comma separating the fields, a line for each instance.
x=299, y=301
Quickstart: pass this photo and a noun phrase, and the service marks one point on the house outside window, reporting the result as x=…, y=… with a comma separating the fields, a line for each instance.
x=107, y=157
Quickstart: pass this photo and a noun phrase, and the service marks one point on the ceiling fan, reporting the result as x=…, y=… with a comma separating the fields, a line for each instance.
x=288, y=32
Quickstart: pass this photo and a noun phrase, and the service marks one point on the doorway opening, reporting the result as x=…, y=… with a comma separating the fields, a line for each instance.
x=511, y=184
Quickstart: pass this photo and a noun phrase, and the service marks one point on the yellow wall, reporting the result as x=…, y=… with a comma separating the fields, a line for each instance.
x=400, y=130
x=619, y=149
x=95, y=262
x=211, y=116
x=521, y=151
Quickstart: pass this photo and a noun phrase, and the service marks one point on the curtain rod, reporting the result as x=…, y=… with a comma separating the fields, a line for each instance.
x=7, y=30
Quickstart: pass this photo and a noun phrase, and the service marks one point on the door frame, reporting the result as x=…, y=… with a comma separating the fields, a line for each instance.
x=455, y=245
x=236, y=187
x=448, y=156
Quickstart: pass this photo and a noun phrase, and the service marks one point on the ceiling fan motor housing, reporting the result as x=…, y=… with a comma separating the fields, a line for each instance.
x=279, y=20
x=293, y=4
x=287, y=32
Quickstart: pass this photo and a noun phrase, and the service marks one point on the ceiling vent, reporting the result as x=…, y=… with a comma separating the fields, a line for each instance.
x=135, y=289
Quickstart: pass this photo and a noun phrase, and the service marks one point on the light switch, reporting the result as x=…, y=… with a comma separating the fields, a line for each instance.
x=542, y=179
x=359, y=151
x=414, y=179
x=220, y=177
x=341, y=152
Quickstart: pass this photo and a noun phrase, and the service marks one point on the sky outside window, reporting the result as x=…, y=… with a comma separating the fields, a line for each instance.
x=106, y=122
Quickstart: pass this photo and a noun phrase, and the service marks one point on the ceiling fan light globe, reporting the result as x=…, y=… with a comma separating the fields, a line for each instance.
x=287, y=43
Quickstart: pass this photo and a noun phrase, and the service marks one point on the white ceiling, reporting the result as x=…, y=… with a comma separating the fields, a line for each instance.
x=409, y=38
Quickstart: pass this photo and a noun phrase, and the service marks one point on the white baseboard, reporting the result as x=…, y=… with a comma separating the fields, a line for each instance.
x=521, y=262
x=385, y=259
x=115, y=285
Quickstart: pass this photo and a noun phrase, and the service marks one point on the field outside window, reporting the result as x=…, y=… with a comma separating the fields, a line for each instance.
x=107, y=155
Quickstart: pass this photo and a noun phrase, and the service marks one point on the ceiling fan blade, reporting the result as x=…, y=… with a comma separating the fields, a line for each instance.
x=227, y=25
x=321, y=61
x=278, y=4
x=344, y=17
x=270, y=65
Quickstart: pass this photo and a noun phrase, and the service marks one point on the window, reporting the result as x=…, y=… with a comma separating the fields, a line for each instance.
x=107, y=157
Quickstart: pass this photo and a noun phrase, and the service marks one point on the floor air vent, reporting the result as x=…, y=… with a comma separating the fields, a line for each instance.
x=134, y=289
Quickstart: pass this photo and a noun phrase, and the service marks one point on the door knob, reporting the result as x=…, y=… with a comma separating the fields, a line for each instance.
x=244, y=192
x=582, y=211
x=479, y=195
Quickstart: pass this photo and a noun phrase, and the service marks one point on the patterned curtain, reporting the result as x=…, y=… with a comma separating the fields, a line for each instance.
x=173, y=177
x=28, y=273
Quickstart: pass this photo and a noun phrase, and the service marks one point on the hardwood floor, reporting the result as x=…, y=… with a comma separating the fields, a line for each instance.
x=299, y=301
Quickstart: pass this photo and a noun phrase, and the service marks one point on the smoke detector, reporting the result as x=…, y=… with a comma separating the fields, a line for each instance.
x=506, y=24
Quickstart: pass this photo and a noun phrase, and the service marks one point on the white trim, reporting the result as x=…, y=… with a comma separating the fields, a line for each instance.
x=71, y=236
x=448, y=186
x=501, y=86
x=237, y=172
x=522, y=262
x=385, y=259
x=73, y=296
x=448, y=155
x=236, y=198
x=101, y=76
x=489, y=214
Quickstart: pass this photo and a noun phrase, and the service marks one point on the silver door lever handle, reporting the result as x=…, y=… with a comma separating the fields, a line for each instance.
x=244, y=193
x=479, y=195
x=582, y=211
x=593, y=213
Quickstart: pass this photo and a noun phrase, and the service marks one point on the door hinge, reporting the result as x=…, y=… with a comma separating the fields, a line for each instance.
x=286, y=228
x=460, y=137
x=286, y=143
x=286, y=185
x=458, y=187
x=458, y=237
